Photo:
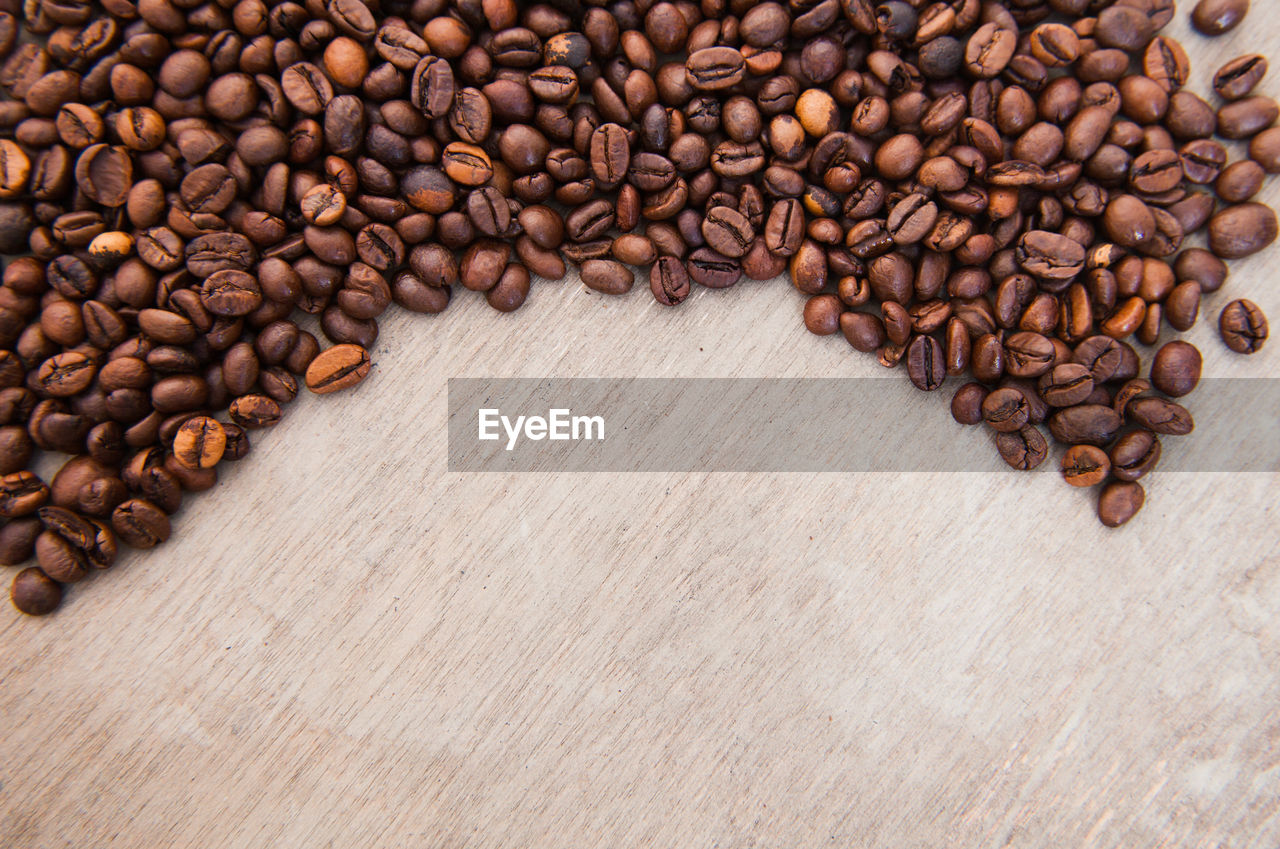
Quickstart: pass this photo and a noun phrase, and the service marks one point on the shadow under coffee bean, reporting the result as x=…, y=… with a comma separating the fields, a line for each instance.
x=973, y=188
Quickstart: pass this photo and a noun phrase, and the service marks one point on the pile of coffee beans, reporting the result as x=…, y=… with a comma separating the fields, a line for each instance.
x=997, y=189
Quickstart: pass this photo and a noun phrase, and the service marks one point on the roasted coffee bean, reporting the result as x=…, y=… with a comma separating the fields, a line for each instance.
x=607, y=276
x=22, y=494
x=1091, y=424
x=432, y=86
x=1028, y=354
x=1160, y=415
x=714, y=270
x=199, y=443
x=1085, y=465
x=668, y=280
x=966, y=404
x=1066, y=385
x=715, y=68
x=1023, y=449
x=1134, y=455
x=1050, y=256
x=255, y=411
x=1239, y=77
x=610, y=154
x=589, y=221
x=1243, y=326
x=1175, y=370
x=1243, y=230
x=511, y=290
x=926, y=367
x=1102, y=355
x=140, y=523
x=1242, y=119
x=1005, y=410
x=1214, y=17
x=1119, y=502
x=727, y=231
x=35, y=593
x=230, y=293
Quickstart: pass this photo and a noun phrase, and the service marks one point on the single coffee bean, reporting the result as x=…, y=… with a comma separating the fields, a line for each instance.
x=467, y=164
x=1091, y=424
x=1243, y=326
x=1160, y=415
x=1102, y=355
x=140, y=523
x=822, y=314
x=669, y=281
x=966, y=404
x=1239, y=77
x=926, y=367
x=1066, y=385
x=590, y=221
x=35, y=593
x=1134, y=455
x=336, y=368
x=1120, y=501
x=1242, y=119
x=1023, y=449
x=1215, y=17
x=432, y=86
x=1050, y=256
x=1085, y=465
x=1243, y=230
x=22, y=494
x=728, y=231
x=1028, y=354
x=715, y=68
x=607, y=276
x=989, y=50
x=199, y=443
x=712, y=269
x=610, y=154
x=1005, y=410
x=1175, y=370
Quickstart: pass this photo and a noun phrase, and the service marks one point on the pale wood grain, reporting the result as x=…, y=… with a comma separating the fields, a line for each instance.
x=346, y=645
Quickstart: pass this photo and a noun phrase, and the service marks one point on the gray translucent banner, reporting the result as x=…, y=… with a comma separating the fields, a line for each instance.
x=794, y=425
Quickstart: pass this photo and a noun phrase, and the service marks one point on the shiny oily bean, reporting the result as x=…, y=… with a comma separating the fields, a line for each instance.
x=1215, y=17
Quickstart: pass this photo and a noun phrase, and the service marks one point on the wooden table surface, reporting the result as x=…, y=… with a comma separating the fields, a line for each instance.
x=346, y=645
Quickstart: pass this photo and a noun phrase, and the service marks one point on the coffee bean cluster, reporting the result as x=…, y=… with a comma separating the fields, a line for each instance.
x=984, y=188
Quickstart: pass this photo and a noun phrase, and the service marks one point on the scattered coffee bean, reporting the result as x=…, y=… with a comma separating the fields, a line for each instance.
x=166, y=204
x=1243, y=326
x=35, y=593
x=1215, y=17
x=1175, y=371
x=1119, y=502
x=1085, y=465
x=1023, y=449
x=337, y=368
